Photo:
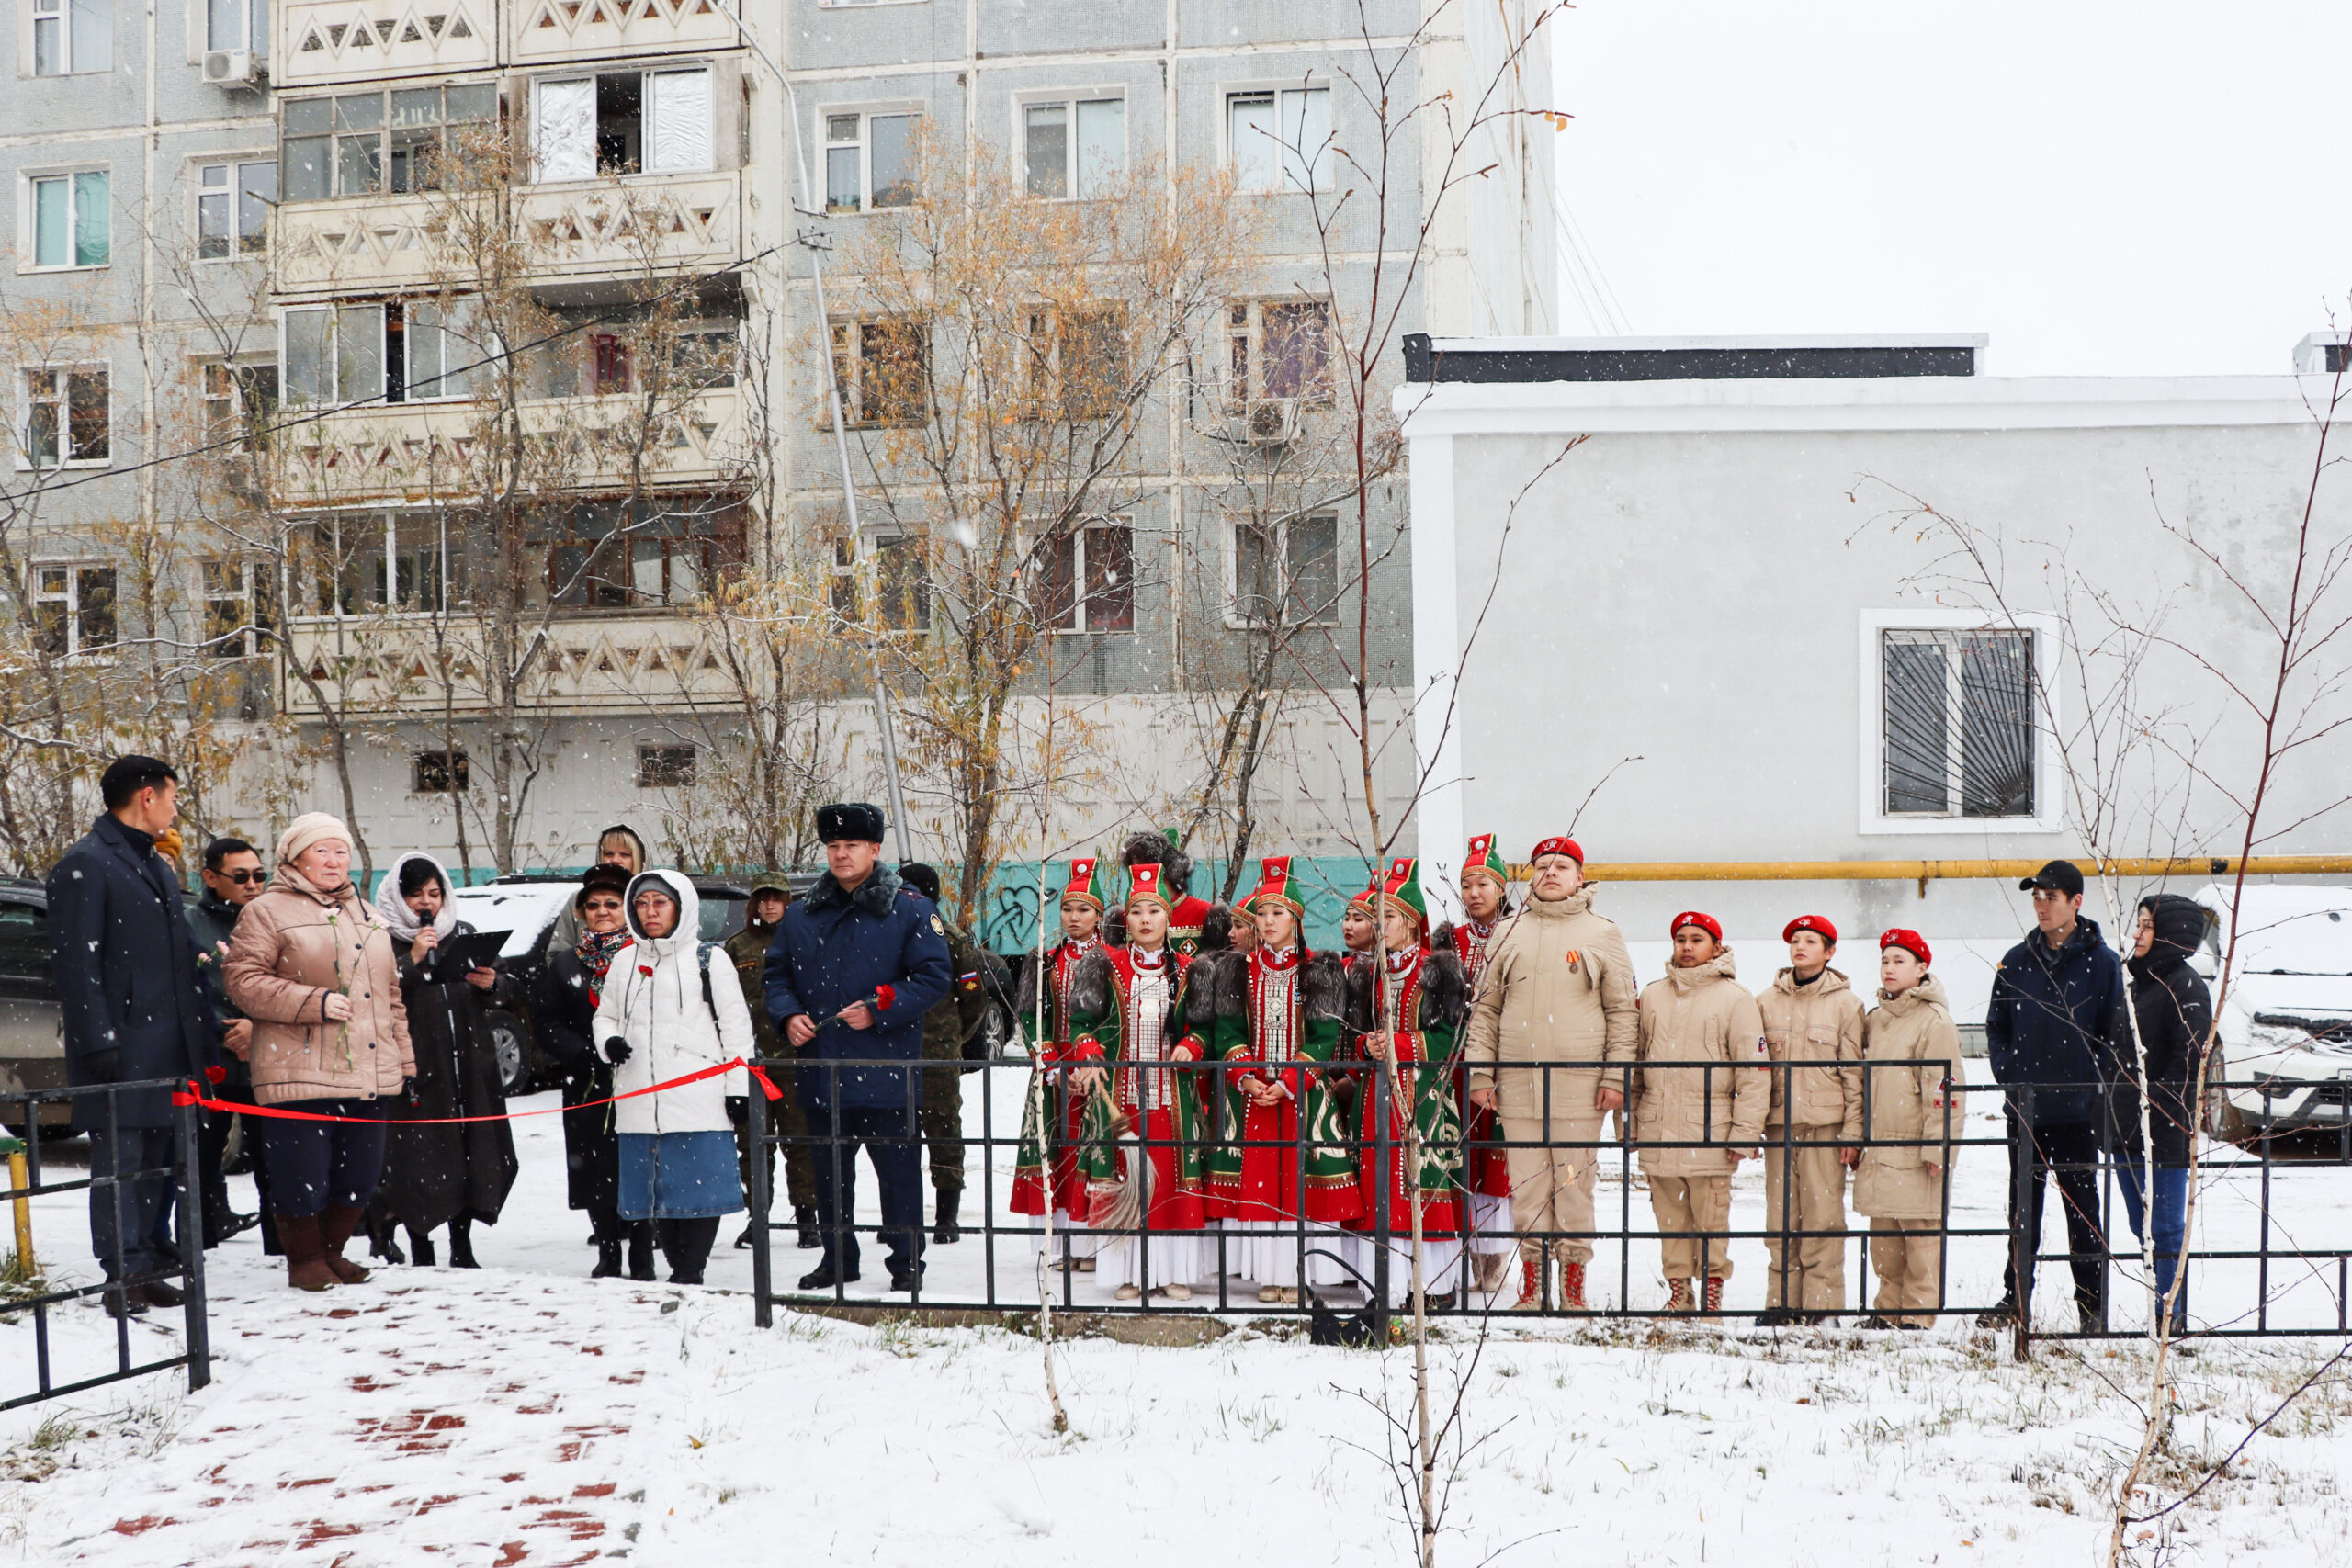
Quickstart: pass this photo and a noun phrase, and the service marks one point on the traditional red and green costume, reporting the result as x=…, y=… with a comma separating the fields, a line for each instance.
x=1419, y=1002
x=1487, y=1171
x=1051, y=1115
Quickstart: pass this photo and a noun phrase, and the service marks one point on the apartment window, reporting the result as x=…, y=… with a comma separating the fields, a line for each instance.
x=66, y=418
x=1279, y=140
x=622, y=123
x=439, y=772
x=1286, y=572
x=665, y=767
x=237, y=24
x=1079, y=361
x=398, y=351
x=610, y=556
x=71, y=37
x=882, y=367
x=1957, y=723
x=1079, y=146
x=706, y=356
x=1090, y=584
x=399, y=139
x=236, y=606
x=74, y=609
x=232, y=203
x=385, y=562
x=73, y=219
x=237, y=402
x=869, y=161
x=1278, y=349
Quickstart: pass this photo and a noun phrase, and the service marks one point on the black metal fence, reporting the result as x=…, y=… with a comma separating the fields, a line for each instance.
x=113, y=1188
x=1621, y=1250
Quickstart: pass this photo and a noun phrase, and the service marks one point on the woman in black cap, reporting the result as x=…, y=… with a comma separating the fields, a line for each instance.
x=569, y=988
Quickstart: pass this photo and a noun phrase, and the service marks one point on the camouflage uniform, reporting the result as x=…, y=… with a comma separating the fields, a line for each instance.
x=749, y=949
x=944, y=1029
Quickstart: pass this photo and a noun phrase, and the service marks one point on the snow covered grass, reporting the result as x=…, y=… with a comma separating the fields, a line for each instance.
x=522, y=1414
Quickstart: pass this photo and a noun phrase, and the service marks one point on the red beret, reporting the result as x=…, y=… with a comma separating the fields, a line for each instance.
x=1814, y=923
x=1911, y=941
x=1567, y=847
x=1693, y=917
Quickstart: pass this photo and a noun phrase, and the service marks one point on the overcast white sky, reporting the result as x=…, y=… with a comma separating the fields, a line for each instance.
x=2106, y=189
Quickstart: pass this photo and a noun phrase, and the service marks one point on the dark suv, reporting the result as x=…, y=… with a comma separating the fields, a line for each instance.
x=32, y=1026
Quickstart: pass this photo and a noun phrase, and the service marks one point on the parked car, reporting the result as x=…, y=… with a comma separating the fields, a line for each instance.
x=535, y=909
x=32, y=1025
x=2286, y=1025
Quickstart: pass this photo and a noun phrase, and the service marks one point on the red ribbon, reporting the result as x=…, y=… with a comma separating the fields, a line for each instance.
x=194, y=1096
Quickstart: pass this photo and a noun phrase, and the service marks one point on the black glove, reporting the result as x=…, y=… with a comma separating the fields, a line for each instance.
x=103, y=1066
x=408, y=1092
x=738, y=1109
x=616, y=1050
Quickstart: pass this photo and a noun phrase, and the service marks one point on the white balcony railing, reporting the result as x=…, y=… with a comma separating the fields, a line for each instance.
x=321, y=43
x=593, y=662
x=549, y=32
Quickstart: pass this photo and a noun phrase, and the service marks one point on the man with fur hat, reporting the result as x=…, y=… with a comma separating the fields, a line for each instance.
x=1701, y=1111
x=1813, y=1027
x=1197, y=923
x=1554, y=1000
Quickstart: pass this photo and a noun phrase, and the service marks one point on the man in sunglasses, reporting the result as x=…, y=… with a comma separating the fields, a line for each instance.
x=234, y=878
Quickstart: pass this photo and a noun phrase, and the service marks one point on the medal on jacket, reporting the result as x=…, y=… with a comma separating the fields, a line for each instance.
x=1575, y=960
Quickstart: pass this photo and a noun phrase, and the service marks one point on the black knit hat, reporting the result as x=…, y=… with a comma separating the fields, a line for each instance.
x=922, y=878
x=849, y=820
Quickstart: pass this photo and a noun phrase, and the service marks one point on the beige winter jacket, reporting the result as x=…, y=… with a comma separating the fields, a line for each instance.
x=1892, y=1182
x=1699, y=1015
x=1558, y=986
x=293, y=946
x=1820, y=1023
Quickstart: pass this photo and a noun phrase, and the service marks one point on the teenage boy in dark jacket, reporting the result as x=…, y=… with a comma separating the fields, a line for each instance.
x=2053, y=1029
x=2175, y=1015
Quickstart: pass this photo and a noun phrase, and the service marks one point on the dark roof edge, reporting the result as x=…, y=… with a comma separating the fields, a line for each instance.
x=1493, y=360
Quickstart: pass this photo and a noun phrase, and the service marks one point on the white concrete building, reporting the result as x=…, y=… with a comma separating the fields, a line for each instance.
x=1705, y=572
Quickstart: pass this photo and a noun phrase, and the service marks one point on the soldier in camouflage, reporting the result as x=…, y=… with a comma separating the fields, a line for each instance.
x=944, y=1029
x=749, y=949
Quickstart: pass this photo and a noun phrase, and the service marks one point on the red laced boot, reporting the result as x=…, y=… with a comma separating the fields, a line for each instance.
x=1572, y=1287
x=1678, y=1295
x=1530, y=1285
x=1715, y=1295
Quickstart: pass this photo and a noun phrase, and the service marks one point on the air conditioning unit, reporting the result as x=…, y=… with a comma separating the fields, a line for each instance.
x=234, y=67
x=1271, y=422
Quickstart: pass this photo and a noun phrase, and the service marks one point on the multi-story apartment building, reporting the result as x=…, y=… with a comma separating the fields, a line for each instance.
x=449, y=227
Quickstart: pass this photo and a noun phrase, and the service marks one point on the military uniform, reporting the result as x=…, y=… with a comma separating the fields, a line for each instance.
x=749, y=949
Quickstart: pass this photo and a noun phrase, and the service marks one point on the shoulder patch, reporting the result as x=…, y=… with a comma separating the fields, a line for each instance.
x=937, y=927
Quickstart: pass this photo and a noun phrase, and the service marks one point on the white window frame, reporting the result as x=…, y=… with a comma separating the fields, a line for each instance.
x=232, y=164
x=336, y=312
x=866, y=114
x=60, y=14
x=64, y=400
x=1234, y=619
x=28, y=220
x=1068, y=101
x=247, y=643
x=1075, y=625
x=240, y=412
x=646, y=162
x=252, y=30
x=1240, y=397
x=2049, y=810
x=103, y=652
x=1321, y=174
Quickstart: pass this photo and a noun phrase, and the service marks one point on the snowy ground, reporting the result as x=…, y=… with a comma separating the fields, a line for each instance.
x=523, y=1414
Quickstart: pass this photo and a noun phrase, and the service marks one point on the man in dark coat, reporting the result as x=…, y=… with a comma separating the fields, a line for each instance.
x=2053, y=1031
x=234, y=877
x=944, y=1029
x=135, y=1008
x=853, y=968
x=2176, y=1017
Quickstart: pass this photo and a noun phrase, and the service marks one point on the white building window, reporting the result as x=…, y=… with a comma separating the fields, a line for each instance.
x=232, y=203
x=623, y=122
x=1955, y=731
x=869, y=160
x=74, y=609
x=237, y=401
x=1090, y=579
x=71, y=37
x=883, y=369
x=1278, y=349
x=1280, y=139
x=1285, y=573
x=398, y=351
x=1076, y=146
x=665, y=767
x=401, y=139
x=73, y=219
x=68, y=418
x=237, y=24
x=237, y=598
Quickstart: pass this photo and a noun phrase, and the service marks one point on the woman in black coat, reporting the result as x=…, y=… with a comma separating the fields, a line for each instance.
x=562, y=1013
x=442, y=1173
x=2176, y=1018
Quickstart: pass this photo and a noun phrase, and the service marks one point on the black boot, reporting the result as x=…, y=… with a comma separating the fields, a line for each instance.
x=686, y=1244
x=608, y=1260
x=811, y=1238
x=640, y=1249
x=750, y=1231
x=384, y=1241
x=461, y=1243
x=950, y=1199
x=420, y=1247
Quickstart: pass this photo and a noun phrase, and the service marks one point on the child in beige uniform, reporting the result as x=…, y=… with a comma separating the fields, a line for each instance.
x=1901, y=1171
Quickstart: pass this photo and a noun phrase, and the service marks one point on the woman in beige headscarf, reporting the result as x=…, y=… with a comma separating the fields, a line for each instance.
x=313, y=964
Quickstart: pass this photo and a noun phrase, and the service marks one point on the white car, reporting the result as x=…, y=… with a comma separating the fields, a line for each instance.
x=2286, y=1035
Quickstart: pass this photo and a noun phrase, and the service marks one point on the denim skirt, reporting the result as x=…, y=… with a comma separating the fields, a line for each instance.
x=679, y=1176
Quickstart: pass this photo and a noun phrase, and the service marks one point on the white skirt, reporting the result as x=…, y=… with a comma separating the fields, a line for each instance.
x=1079, y=1245
x=1440, y=1264
x=1266, y=1251
x=1490, y=1217
x=1176, y=1258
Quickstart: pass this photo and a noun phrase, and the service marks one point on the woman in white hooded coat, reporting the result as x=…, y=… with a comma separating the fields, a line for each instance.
x=672, y=1006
